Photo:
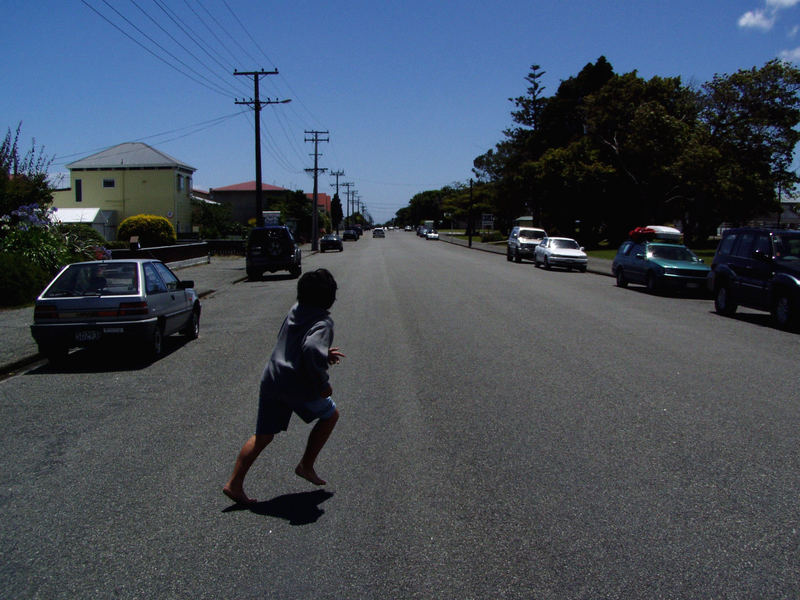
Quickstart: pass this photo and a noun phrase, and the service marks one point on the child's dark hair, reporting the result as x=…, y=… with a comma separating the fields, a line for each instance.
x=317, y=288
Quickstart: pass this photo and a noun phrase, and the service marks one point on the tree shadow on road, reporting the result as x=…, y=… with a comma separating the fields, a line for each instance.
x=299, y=509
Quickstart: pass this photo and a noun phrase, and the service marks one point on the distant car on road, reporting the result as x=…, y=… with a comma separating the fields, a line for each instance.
x=271, y=248
x=92, y=302
x=378, y=233
x=560, y=252
x=431, y=234
x=350, y=234
x=331, y=241
x=522, y=242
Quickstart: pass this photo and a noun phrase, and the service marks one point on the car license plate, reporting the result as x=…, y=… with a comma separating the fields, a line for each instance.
x=692, y=286
x=88, y=335
x=113, y=330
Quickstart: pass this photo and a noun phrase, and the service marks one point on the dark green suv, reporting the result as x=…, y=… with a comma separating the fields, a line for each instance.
x=758, y=268
x=271, y=248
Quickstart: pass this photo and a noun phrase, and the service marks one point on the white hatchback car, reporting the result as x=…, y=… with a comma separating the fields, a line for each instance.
x=560, y=252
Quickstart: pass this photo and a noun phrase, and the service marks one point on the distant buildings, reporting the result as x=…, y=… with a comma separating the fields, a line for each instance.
x=134, y=178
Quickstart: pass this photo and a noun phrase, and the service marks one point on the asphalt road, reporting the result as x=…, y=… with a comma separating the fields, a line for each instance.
x=505, y=432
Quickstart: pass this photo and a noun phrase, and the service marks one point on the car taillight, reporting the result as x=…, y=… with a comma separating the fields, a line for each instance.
x=127, y=309
x=45, y=311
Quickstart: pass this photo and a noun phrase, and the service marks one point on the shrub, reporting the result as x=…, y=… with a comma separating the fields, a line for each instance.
x=151, y=229
x=492, y=236
x=21, y=280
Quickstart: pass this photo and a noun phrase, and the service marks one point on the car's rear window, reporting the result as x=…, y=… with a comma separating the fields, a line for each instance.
x=92, y=279
x=534, y=234
x=262, y=235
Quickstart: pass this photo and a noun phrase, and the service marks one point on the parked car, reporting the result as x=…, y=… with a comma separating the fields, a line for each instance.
x=522, y=242
x=271, y=248
x=331, y=241
x=378, y=232
x=659, y=265
x=560, y=252
x=760, y=269
x=140, y=300
x=350, y=234
x=432, y=234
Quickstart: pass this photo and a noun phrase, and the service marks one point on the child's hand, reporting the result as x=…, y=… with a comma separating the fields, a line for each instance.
x=334, y=355
x=326, y=392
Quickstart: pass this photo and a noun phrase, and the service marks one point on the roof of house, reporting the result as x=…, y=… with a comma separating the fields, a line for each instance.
x=128, y=156
x=249, y=186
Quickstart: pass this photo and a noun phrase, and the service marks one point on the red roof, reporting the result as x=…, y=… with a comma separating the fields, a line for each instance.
x=249, y=186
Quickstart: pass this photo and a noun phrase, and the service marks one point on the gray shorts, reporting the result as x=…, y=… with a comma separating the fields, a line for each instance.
x=274, y=414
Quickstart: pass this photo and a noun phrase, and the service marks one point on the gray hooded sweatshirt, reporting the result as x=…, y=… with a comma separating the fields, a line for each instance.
x=297, y=371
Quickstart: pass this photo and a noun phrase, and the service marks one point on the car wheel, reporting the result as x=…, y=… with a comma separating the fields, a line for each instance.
x=652, y=283
x=723, y=301
x=192, y=329
x=582, y=269
x=547, y=263
x=156, y=343
x=508, y=255
x=517, y=257
x=295, y=270
x=783, y=312
x=621, y=281
x=253, y=275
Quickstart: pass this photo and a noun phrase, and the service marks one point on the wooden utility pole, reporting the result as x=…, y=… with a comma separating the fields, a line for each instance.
x=257, y=103
x=315, y=211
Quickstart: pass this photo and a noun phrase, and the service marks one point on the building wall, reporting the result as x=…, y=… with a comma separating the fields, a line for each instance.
x=134, y=192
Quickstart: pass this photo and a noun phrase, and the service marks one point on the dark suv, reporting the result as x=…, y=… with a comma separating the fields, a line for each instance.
x=271, y=248
x=758, y=268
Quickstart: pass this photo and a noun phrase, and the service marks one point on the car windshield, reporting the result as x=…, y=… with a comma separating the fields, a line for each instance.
x=565, y=244
x=532, y=234
x=95, y=279
x=671, y=253
x=787, y=246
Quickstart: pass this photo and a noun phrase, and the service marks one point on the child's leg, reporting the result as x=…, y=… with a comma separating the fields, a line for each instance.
x=316, y=440
x=234, y=489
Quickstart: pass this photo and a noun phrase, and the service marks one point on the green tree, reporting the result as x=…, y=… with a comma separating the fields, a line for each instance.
x=336, y=212
x=752, y=118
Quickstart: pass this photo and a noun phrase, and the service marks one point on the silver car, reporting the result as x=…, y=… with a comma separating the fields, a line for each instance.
x=88, y=303
x=560, y=252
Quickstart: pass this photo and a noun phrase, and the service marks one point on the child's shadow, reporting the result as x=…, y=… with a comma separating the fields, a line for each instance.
x=299, y=509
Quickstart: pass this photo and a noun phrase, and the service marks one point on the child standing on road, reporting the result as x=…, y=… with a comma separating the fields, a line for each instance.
x=296, y=380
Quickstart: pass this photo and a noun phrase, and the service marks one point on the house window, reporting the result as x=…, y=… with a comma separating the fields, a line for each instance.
x=179, y=183
x=108, y=183
x=78, y=190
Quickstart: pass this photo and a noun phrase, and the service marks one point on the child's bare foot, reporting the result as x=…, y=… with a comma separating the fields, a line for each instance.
x=238, y=496
x=309, y=475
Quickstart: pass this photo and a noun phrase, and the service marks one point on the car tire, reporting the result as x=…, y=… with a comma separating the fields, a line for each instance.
x=784, y=312
x=723, y=301
x=295, y=270
x=517, y=257
x=582, y=269
x=155, y=345
x=621, y=281
x=192, y=329
x=508, y=255
x=652, y=283
x=547, y=263
x=253, y=275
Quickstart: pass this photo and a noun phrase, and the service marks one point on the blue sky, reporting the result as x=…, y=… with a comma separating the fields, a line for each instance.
x=411, y=92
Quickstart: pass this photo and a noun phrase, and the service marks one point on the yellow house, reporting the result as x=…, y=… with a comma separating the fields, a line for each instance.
x=126, y=180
